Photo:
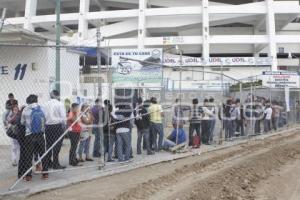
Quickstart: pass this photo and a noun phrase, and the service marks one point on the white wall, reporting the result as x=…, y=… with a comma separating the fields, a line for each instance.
x=35, y=81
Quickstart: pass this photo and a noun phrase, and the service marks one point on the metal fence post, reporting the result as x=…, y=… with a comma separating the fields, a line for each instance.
x=98, y=35
x=57, y=53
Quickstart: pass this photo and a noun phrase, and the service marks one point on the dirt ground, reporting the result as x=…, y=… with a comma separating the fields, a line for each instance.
x=262, y=169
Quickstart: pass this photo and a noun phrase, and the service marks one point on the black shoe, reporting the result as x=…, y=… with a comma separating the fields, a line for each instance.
x=110, y=160
x=59, y=167
x=97, y=155
x=150, y=153
x=50, y=165
x=76, y=164
x=139, y=153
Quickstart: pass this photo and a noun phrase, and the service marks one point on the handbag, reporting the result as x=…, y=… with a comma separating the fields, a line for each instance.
x=12, y=132
x=84, y=135
x=196, y=141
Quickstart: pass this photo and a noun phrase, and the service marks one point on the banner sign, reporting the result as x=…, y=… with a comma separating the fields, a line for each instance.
x=171, y=60
x=280, y=79
x=209, y=85
x=137, y=65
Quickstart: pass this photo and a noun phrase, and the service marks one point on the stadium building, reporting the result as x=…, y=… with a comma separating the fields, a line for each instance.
x=243, y=37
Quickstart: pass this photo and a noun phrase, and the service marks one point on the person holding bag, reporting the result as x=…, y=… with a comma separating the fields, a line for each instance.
x=12, y=132
x=86, y=133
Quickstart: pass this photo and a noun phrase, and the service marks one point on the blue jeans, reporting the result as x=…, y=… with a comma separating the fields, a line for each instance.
x=109, y=140
x=228, y=128
x=212, y=129
x=168, y=144
x=97, y=143
x=123, y=145
x=84, y=147
x=145, y=134
x=157, y=129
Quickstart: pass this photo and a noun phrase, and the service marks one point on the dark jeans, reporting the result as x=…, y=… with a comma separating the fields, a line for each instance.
x=194, y=127
x=257, y=126
x=30, y=144
x=157, y=129
x=267, y=125
x=145, y=135
x=97, y=142
x=240, y=126
x=74, y=139
x=53, y=132
x=275, y=123
x=228, y=126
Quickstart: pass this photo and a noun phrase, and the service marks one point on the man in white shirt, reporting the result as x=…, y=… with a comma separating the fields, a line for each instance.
x=267, y=117
x=56, y=118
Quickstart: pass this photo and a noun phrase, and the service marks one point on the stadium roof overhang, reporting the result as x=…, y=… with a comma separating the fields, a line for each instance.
x=11, y=35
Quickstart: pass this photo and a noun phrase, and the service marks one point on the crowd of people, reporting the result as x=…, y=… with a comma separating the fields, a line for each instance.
x=38, y=130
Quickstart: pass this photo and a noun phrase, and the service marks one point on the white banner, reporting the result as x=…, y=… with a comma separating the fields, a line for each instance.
x=280, y=79
x=137, y=65
x=209, y=85
x=174, y=60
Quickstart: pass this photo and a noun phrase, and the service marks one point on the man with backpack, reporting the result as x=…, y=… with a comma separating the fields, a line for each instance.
x=142, y=121
x=34, y=120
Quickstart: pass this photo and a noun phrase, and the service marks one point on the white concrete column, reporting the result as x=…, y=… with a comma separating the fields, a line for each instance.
x=142, y=24
x=83, y=22
x=271, y=31
x=205, y=30
x=30, y=10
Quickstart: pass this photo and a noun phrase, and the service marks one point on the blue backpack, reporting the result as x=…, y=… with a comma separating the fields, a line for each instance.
x=37, y=120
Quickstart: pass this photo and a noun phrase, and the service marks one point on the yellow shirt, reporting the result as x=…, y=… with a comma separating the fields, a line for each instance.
x=155, y=111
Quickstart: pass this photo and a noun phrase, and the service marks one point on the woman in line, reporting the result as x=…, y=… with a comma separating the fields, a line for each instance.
x=12, y=120
x=86, y=133
x=74, y=134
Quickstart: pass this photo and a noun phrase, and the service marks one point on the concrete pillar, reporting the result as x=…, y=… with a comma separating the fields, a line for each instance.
x=205, y=30
x=83, y=22
x=30, y=10
x=270, y=23
x=142, y=24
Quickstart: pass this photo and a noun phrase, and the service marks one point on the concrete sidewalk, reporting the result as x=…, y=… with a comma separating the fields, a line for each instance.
x=91, y=170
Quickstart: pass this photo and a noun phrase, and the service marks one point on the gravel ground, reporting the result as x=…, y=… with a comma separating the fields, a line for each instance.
x=261, y=169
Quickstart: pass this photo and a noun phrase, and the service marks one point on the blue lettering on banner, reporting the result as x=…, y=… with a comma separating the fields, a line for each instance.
x=20, y=71
x=3, y=70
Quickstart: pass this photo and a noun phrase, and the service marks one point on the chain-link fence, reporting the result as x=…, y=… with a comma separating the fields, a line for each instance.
x=79, y=129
